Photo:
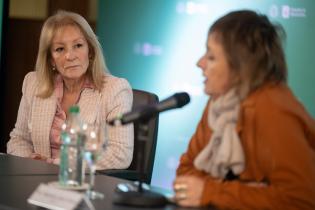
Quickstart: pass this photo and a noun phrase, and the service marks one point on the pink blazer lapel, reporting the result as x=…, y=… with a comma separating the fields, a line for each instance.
x=90, y=105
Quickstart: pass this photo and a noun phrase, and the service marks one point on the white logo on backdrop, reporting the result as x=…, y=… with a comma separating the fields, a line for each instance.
x=298, y=12
x=273, y=11
x=286, y=12
x=191, y=8
x=147, y=49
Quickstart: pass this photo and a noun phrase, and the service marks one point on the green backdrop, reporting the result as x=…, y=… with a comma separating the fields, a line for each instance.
x=156, y=44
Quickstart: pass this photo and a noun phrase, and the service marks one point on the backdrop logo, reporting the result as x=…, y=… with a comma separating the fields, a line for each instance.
x=285, y=11
x=293, y=12
x=191, y=8
x=274, y=11
x=147, y=49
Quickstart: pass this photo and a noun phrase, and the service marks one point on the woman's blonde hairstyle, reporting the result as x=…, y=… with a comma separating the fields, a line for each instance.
x=45, y=73
x=253, y=47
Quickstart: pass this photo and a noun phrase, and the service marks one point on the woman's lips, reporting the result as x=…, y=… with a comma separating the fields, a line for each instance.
x=70, y=67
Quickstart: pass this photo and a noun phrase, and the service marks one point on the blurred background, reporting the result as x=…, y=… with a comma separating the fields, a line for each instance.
x=154, y=45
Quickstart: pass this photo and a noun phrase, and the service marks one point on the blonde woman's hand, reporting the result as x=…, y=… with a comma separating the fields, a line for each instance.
x=37, y=156
x=188, y=190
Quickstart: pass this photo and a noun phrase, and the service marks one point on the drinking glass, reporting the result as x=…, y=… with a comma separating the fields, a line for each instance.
x=96, y=141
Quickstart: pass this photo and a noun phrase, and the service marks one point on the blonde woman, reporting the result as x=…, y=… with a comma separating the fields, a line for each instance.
x=70, y=69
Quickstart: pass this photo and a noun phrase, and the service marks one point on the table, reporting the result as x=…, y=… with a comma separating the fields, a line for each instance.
x=13, y=165
x=19, y=177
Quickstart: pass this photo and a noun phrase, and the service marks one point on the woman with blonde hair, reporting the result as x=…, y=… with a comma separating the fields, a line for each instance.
x=254, y=147
x=70, y=70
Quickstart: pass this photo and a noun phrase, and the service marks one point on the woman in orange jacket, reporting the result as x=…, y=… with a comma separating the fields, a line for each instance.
x=254, y=147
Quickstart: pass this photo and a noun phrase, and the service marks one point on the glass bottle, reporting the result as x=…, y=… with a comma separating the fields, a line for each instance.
x=71, y=170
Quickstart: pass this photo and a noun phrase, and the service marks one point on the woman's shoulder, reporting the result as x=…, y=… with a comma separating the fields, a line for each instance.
x=115, y=83
x=274, y=99
x=269, y=94
x=116, y=89
x=30, y=76
x=30, y=80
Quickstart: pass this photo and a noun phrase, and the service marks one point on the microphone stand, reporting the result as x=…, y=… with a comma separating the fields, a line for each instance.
x=142, y=197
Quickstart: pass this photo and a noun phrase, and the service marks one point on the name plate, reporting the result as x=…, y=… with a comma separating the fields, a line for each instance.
x=56, y=199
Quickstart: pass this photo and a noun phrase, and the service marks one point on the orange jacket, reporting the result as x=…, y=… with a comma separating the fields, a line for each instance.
x=278, y=138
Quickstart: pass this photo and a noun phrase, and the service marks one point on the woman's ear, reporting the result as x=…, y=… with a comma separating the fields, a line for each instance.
x=91, y=54
x=52, y=63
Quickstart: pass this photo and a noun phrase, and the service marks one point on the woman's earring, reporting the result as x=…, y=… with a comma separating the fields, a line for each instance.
x=53, y=68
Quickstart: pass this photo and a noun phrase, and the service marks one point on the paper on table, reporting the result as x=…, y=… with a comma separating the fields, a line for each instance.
x=56, y=199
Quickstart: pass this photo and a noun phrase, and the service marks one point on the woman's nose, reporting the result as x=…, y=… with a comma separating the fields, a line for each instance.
x=70, y=55
x=201, y=62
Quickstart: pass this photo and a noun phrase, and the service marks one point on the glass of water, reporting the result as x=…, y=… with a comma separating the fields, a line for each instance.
x=95, y=143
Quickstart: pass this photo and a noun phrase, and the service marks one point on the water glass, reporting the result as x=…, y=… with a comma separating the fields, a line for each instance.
x=94, y=145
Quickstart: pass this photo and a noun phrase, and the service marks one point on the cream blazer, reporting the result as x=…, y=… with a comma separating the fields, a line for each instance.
x=35, y=117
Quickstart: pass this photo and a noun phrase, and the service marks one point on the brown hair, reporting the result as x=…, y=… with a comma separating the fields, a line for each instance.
x=253, y=46
x=97, y=67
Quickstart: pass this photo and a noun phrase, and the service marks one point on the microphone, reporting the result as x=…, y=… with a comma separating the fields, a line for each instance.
x=177, y=100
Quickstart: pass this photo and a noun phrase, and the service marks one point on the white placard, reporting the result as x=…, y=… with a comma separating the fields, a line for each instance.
x=54, y=198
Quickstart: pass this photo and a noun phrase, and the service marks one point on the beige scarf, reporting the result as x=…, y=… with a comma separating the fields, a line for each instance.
x=224, y=151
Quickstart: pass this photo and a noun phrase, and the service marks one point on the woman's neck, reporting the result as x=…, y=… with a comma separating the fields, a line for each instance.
x=73, y=86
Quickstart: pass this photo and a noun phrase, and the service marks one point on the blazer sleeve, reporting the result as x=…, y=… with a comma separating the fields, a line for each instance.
x=285, y=158
x=20, y=143
x=119, y=150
